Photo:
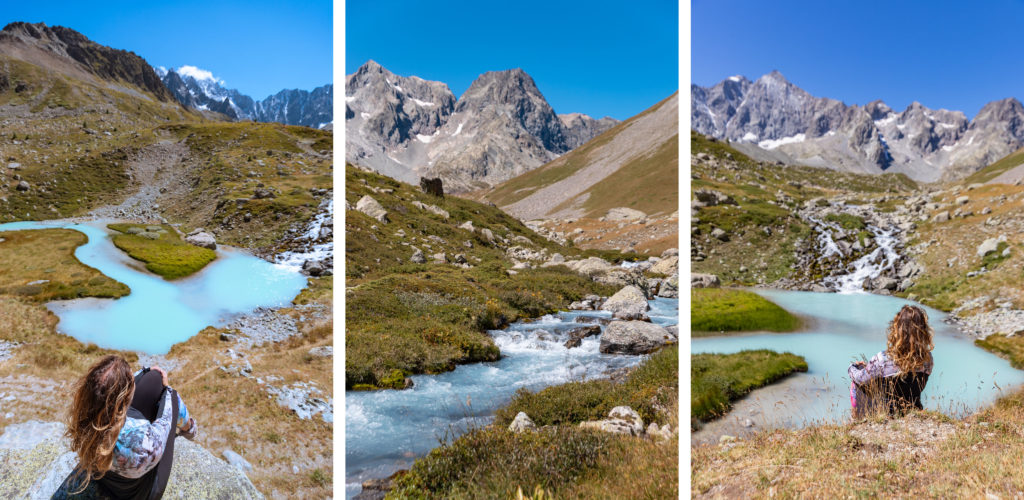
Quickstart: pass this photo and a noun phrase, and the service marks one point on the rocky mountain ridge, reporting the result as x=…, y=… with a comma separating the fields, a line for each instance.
x=71, y=52
x=196, y=90
x=772, y=119
x=501, y=127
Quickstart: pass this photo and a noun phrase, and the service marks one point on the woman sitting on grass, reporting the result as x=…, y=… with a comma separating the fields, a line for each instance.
x=122, y=426
x=893, y=379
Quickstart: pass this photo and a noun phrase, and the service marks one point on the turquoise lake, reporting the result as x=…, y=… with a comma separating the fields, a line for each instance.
x=842, y=328
x=160, y=313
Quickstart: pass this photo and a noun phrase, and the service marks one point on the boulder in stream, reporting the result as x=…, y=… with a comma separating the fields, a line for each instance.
x=576, y=335
x=633, y=337
x=629, y=303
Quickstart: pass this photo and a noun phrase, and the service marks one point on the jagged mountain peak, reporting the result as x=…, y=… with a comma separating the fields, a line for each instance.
x=501, y=126
x=1003, y=109
x=501, y=87
x=878, y=109
x=774, y=76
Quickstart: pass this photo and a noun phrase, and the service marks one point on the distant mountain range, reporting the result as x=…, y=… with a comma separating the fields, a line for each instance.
x=501, y=127
x=199, y=89
x=772, y=119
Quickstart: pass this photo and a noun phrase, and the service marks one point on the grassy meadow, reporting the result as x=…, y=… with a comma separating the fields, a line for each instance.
x=924, y=454
x=28, y=272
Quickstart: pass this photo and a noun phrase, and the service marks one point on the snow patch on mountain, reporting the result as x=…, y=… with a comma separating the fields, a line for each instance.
x=772, y=144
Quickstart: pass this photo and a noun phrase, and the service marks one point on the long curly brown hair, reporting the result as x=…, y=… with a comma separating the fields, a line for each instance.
x=910, y=339
x=98, y=412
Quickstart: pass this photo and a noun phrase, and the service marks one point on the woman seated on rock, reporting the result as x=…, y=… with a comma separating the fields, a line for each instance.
x=892, y=381
x=122, y=426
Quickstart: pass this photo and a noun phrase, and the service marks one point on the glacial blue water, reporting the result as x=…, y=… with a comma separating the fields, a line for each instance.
x=844, y=327
x=387, y=430
x=159, y=313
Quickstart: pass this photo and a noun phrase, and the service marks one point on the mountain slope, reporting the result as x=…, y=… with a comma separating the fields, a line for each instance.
x=635, y=164
x=71, y=52
x=772, y=119
x=407, y=127
x=1008, y=170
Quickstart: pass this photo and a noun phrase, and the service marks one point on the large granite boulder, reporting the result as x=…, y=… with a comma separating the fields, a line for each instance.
x=628, y=303
x=371, y=207
x=667, y=266
x=201, y=239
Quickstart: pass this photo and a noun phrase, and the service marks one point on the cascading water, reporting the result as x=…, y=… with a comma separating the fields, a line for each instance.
x=386, y=430
x=870, y=266
x=317, y=240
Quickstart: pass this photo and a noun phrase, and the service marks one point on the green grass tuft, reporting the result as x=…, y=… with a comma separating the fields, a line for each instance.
x=645, y=390
x=718, y=379
x=494, y=463
x=163, y=251
x=715, y=310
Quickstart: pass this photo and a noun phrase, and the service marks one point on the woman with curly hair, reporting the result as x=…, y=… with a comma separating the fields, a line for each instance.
x=893, y=379
x=122, y=426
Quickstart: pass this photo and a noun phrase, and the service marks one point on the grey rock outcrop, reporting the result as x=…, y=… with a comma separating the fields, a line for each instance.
x=698, y=280
x=36, y=459
x=371, y=207
x=621, y=420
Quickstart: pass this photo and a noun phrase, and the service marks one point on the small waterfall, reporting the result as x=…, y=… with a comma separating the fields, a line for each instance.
x=872, y=265
x=869, y=266
x=826, y=244
x=317, y=245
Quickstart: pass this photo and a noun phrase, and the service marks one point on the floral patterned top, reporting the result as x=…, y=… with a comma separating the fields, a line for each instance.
x=881, y=365
x=140, y=445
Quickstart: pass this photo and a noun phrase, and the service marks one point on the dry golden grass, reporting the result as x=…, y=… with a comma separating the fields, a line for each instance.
x=652, y=238
x=47, y=256
x=922, y=455
x=237, y=412
x=233, y=411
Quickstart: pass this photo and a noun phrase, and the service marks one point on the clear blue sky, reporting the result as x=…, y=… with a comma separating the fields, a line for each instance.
x=602, y=58
x=952, y=55
x=256, y=46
